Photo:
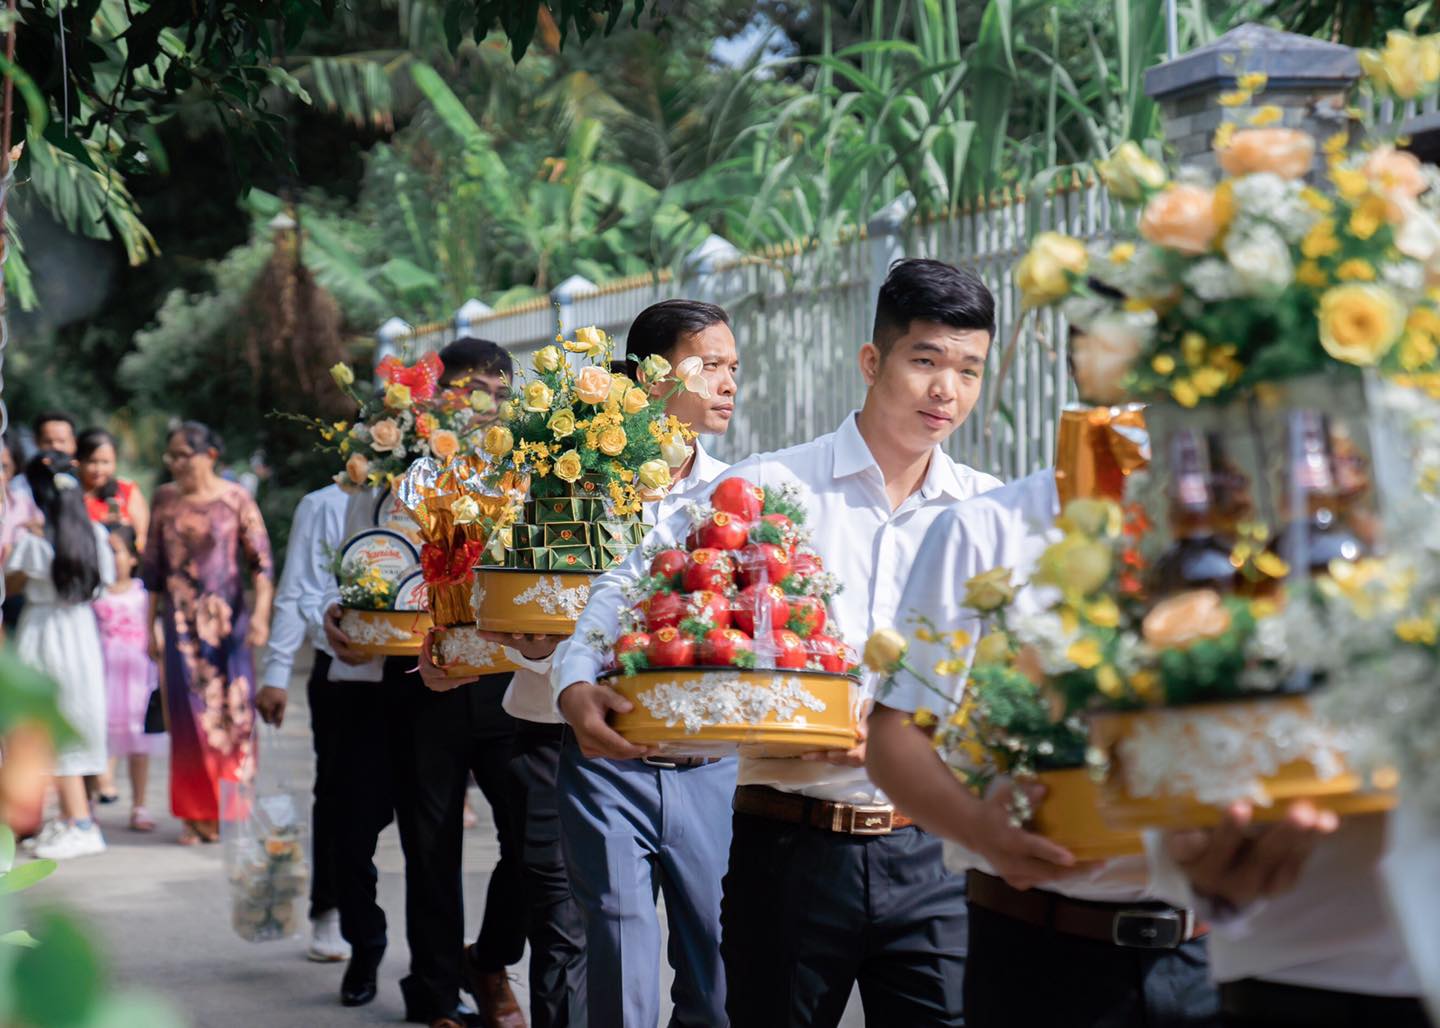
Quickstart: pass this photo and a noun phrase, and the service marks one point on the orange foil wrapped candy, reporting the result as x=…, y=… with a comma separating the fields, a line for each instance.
x=1096, y=448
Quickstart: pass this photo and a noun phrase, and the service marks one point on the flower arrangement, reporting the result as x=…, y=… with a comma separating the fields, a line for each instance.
x=364, y=587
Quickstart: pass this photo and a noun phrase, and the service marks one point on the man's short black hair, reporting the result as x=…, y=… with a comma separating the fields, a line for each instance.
x=924, y=290
x=470, y=356
x=659, y=328
x=45, y=417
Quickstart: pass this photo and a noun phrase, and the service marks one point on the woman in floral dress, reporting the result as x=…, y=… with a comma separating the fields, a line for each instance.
x=206, y=536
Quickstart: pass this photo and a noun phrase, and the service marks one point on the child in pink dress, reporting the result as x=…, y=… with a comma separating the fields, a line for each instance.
x=123, y=612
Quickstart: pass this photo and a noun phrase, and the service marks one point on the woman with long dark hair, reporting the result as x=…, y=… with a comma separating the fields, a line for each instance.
x=62, y=564
x=206, y=539
x=111, y=500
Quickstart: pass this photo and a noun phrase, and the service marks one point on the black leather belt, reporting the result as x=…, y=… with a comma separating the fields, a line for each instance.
x=1137, y=925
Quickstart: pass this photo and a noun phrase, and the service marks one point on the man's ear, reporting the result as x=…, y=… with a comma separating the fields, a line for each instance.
x=870, y=358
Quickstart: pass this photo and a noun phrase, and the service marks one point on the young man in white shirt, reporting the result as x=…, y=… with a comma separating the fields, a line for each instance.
x=317, y=529
x=828, y=885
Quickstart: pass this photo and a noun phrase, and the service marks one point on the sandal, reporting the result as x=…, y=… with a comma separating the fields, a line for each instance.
x=188, y=835
x=141, y=821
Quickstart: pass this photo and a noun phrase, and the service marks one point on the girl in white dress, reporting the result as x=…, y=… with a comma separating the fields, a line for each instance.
x=65, y=561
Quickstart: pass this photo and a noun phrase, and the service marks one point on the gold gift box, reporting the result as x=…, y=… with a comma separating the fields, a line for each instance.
x=1096, y=448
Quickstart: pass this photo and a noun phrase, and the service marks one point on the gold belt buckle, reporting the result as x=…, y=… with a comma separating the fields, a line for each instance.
x=863, y=820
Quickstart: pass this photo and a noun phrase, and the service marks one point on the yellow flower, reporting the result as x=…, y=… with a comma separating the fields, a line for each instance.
x=1320, y=241
x=465, y=511
x=1223, y=136
x=481, y=402
x=1417, y=349
x=1316, y=200
x=1417, y=630
x=950, y=668
x=653, y=368
x=548, y=358
x=884, y=650
x=1184, y=217
x=1103, y=612
x=1266, y=116
x=1075, y=564
x=924, y=718
x=612, y=441
x=397, y=396
x=562, y=423
x=1084, y=653
x=1406, y=67
x=592, y=385
x=1122, y=253
x=1184, y=392
x=1093, y=518
x=1335, y=144
x=1311, y=274
x=1367, y=217
x=1146, y=684
x=1129, y=174
x=1360, y=323
x=537, y=397
x=1209, y=381
x=1270, y=565
x=568, y=467
x=619, y=386
x=994, y=648
x=1282, y=151
x=1252, y=82
x=498, y=441
x=444, y=444
x=342, y=375
x=1044, y=274
x=653, y=474
x=589, y=340
x=634, y=401
x=989, y=590
x=1350, y=183
x=1235, y=98
x=1163, y=364
x=1356, y=269
x=1108, y=681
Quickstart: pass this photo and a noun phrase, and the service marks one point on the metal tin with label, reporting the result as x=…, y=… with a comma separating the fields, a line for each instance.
x=380, y=548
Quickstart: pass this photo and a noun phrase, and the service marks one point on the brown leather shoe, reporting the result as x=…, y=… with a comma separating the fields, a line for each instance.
x=497, y=1005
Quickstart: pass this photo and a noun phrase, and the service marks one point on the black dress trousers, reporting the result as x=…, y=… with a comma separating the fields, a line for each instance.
x=325, y=698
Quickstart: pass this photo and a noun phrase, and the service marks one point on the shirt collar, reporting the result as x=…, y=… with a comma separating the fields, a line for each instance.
x=852, y=455
x=703, y=470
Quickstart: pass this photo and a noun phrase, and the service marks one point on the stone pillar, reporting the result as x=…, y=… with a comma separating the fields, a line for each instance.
x=1308, y=79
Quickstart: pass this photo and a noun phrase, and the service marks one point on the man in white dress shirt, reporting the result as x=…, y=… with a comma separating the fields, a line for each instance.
x=296, y=619
x=1106, y=951
x=828, y=885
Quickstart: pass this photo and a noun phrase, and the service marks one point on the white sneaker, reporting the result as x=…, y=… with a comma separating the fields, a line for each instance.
x=73, y=841
x=327, y=946
x=48, y=831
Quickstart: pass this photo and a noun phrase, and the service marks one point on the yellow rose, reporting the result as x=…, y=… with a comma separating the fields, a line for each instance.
x=537, y=398
x=589, y=340
x=885, y=650
x=1094, y=518
x=653, y=368
x=385, y=436
x=342, y=375
x=611, y=441
x=482, y=402
x=498, y=441
x=993, y=649
x=1406, y=67
x=465, y=511
x=568, y=467
x=989, y=590
x=1185, y=619
x=1076, y=565
x=1282, y=151
x=562, y=423
x=397, y=396
x=1183, y=218
x=675, y=451
x=653, y=474
x=548, y=358
x=592, y=385
x=444, y=444
x=1129, y=174
x=1360, y=322
x=357, y=468
x=1043, y=275
x=634, y=400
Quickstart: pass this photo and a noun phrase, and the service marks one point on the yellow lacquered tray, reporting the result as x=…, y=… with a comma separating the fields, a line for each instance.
x=385, y=633
x=1069, y=815
x=538, y=602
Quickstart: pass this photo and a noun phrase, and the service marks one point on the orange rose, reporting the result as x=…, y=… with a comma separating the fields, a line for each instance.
x=357, y=468
x=1185, y=619
x=593, y=385
x=1183, y=217
x=1282, y=151
x=1397, y=176
x=385, y=435
x=444, y=444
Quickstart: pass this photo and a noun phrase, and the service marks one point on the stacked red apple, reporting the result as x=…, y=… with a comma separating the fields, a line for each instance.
x=745, y=592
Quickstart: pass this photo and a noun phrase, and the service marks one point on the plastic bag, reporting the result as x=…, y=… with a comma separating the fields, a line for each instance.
x=263, y=833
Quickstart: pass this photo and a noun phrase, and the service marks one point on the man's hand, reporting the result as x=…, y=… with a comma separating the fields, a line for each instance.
x=855, y=755
x=585, y=706
x=1234, y=864
x=433, y=674
x=1022, y=858
x=531, y=647
x=339, y=642
x=270, y=702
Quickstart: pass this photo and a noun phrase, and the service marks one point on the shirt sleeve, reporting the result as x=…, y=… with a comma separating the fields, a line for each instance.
x=288, y=622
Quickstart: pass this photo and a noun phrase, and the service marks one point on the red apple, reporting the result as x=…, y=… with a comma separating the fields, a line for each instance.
x=664, y=610
x=708, y=570
x=671, y=647
x=669, y=565
x=709, y=606
x=789, y=650
x=739, y=497
x=764, y=560
x=827, y=651
x=723, y=531
x=721, y=646
x=753, y=600
x=807, y=615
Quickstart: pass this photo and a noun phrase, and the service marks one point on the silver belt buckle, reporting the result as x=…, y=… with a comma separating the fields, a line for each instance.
x=1151, y=929
x=660, y=762
x=865, y=820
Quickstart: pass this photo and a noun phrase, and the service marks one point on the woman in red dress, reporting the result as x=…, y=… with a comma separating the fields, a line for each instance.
x=109, y=499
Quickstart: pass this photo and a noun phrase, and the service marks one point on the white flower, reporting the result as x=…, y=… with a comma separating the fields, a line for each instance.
x=1213, y=279
x=690, y=373
x=1262, y=259
x=1405, y=277
x=1269, y=198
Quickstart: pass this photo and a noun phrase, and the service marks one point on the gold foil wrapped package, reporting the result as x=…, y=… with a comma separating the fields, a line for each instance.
x=1096, y=448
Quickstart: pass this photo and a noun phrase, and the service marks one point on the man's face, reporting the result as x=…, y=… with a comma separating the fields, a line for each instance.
x=926, y=385
x=496, y=386
x=715, y=346
x=56, y=435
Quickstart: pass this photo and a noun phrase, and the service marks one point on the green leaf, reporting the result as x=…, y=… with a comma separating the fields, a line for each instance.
x=26, y=875
x=57, y=984
x=7, y=848
x=19, y=937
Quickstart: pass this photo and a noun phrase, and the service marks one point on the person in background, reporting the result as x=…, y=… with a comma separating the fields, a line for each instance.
x=62, y=563
x=55, y=431
x=109, y=499
x=123, y=613
x=317, y=530
x=17, y=510
x=202, y=530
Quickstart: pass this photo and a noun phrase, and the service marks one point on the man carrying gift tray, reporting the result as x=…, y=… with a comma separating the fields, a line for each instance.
x=808, y=911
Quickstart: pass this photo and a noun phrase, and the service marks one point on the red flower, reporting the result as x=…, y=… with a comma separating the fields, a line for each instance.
x=421, y=377
x=444, y=566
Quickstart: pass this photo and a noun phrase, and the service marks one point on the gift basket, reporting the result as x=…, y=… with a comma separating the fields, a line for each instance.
x=724, y=647
x=593, y=445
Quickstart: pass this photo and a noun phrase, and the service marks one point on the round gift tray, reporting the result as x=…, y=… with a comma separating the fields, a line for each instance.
x=385, y=633
x=466, y=655
x=1069, y=815
x=537, y=602
x=715, y=711
x=1179, y=767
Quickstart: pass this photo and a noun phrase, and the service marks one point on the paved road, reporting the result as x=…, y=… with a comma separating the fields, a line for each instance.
x=163, y=913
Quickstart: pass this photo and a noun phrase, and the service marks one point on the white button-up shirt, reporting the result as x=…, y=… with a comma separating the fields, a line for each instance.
x=861, y=540
x=306, y=583
x=1009, y=527
x=530, y=696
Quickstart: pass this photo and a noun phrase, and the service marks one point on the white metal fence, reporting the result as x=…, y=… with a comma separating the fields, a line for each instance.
x=800, y=317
